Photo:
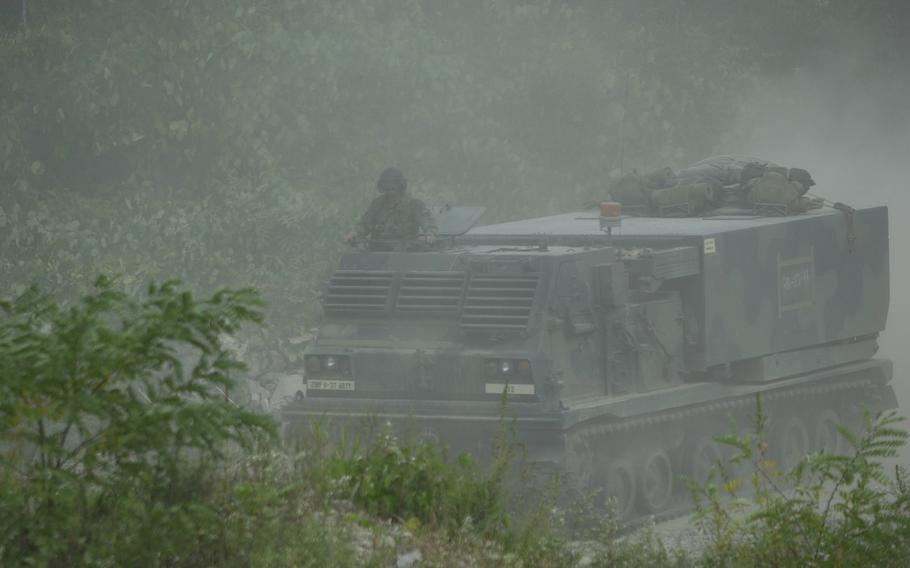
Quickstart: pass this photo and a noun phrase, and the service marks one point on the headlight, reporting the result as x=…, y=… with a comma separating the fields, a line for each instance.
x=494, y=368
x=328, y=364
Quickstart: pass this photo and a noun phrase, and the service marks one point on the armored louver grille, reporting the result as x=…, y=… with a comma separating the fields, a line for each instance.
x=358, y=291
x=430, y=292
x=495, y=303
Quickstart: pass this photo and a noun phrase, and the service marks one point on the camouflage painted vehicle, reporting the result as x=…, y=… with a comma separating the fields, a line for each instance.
x=620, y=354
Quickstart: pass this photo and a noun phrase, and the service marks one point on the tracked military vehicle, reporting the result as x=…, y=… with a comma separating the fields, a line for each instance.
x=620, y=344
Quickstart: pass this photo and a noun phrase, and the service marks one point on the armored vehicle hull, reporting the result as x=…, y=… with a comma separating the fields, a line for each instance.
x=613, y=357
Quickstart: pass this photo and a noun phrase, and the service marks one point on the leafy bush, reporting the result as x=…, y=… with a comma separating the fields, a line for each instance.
x=828, y=510
x=110, y=411
x=413, y=480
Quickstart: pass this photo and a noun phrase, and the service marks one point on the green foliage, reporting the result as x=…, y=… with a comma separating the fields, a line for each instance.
x=267, y=515
x=401, y=481
x=406, y=478
x=106, y=405
x=229, y=142
x=829, y=510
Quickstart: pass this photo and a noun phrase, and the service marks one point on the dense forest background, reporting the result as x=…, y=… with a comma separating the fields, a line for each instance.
x=232, y=142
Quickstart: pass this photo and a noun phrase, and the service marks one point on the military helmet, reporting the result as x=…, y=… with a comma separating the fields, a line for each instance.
x=391, y=179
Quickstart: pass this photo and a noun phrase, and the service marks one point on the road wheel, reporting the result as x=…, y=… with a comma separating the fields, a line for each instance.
x=827, y=438
x=620, y=487
x=791, y=442
x=705, y=455
x=657, y=481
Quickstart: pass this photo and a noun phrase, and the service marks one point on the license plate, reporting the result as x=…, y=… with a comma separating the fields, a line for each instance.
x=329, y=385
x=498, y=388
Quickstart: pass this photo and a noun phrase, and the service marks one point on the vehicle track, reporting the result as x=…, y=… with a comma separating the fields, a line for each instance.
x=676, y=440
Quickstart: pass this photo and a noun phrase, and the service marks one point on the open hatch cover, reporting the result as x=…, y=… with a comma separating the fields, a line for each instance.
x=456, y=221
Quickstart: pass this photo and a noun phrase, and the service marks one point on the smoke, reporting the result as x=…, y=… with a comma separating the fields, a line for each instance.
x=846, y=118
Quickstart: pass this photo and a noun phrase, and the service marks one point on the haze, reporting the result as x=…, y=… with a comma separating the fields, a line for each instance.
x=232, y=143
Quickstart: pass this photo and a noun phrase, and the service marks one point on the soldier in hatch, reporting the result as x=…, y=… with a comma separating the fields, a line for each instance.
x=396, y=220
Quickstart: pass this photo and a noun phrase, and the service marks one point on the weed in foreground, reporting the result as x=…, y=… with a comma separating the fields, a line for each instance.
x=828, y=510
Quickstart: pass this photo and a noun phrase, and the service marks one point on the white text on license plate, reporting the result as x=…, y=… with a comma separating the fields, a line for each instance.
x=319, y=384
x=497, y=388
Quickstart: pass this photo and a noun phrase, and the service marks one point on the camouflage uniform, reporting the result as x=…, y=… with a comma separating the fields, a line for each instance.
x=396, y=216
x=395, y=219
x=635, y=189
x=720, y=171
